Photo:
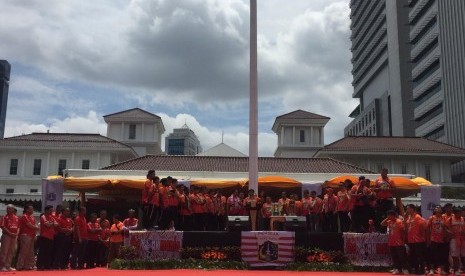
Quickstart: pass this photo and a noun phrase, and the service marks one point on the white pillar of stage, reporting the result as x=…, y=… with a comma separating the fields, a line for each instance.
x=253, y=106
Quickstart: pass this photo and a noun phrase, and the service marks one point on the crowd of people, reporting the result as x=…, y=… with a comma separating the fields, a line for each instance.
x=80, y=240
x=63, y=239
x=424, y=245
x=352, y=207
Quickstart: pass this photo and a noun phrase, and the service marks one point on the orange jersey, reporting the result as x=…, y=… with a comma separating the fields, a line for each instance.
x=267, y=210
x=457, y=227
x=329, y=203
x=436, y=227
x=298, y=207
x=197, y=203
x=305, y=205
x=416, y=229
x=116, y=237
x=343, y=201
x=184, y=202
x=385, y=186
x=396, y=233
x=146, y=191
x=315, y=205
x=220, y=205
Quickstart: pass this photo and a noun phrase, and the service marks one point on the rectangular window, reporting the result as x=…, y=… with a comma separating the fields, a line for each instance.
x=37, y=167
x=33, y=190
x=61, y=166
x=132, y=132
x=13, y=166
x=403, y=169
x=85, y=164
x=428, y=172
x=10, y=191
x=302, y=136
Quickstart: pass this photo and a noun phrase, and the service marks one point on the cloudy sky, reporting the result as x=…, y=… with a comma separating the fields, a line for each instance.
x=184, y=60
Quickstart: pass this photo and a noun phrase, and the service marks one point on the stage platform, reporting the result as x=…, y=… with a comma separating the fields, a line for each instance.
x=325, y=241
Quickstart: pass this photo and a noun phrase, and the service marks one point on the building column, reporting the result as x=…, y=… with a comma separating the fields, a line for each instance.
x=417, y=170
x=311, y=137
x=282, y=135
x=73, y=155
x=47, y=166
x=441, y=171
x=143, y=132
x=121, y=135
x=392, y=166
x=98, y=160
x=293, y=135
x=23, y=164
x=322, y=136
x=368, y=163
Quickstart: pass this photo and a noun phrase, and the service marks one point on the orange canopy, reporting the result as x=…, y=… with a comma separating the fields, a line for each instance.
x=278, y=182
x=336, y=181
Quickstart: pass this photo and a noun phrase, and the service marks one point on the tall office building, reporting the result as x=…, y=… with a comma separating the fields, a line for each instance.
x=381, y=69
x=182, y=141
x=5, y=69
x=437, y=37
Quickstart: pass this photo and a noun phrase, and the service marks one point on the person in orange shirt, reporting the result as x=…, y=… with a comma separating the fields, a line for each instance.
x=330, y=201
x=396, y=242
x=45, y=242
x=360, y=213
x=116, y=238
x=267, y=212
x=343, y=208
x=104, y=244
x=284, y=203
x=27, y=237
x=185, y=211
x=250, y=204
x=298, y=205
x=221, y=210
x=416, y=228
x=93, y=230
x=314, y=210
x=234, y=204
x=306, y=200
x=164, y=189
x=438, y=248
x=456, y=226
x=10, y=230
x=146, y=194
x=384, y=194
x=210, y=209
x=197, y=202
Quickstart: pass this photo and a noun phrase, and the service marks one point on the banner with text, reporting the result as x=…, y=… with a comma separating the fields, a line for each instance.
x=157, y=244
x=267, y=248
x=367, y=249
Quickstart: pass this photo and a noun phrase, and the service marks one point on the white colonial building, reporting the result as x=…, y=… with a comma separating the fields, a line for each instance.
x=300, y=134
x=137, y=128
x=26, y=159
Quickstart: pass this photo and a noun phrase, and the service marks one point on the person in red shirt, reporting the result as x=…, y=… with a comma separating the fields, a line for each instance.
x=78, y=256
x=185, y=211
x=314, y=210
x=306, y=200
x=147, y=193
x=298, y=205
x=456, y=226
x=330, y=201
x=416, y=228
x=250, y=204
x=27, y=237
x=10, y=228
x=438, y=248
x=360, y=196
x=93, y=232
x=284, y=203
x=104, y=244
x=234, y=204
x=131, y=223
x=396, y=242
x=210, y=204
x=343, y=208
x=267, y=212
x=64, y=239
x=46, y=238
x=384, y=194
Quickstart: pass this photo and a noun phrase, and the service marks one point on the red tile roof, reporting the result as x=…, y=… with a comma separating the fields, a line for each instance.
x=391, y=144
x=63, y=140
x=237, y=164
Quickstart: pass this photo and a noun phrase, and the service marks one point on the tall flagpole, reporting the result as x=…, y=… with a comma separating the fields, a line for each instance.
x=253, y=117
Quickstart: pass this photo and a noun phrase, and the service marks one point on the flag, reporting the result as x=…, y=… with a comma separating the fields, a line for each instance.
x=267, y=248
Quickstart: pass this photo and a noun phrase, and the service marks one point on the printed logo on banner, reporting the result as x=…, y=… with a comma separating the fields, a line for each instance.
x=51, y=196
x=369, y=249
x=267, y=248
x=157, y=244
x=268, y=251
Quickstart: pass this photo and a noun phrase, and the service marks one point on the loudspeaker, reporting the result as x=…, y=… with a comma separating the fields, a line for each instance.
x=295, y=223
x=238, y=223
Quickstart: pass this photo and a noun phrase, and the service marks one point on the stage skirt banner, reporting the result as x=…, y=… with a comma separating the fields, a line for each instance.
x=155, y=245
x=367, y=249
x=267, y=248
